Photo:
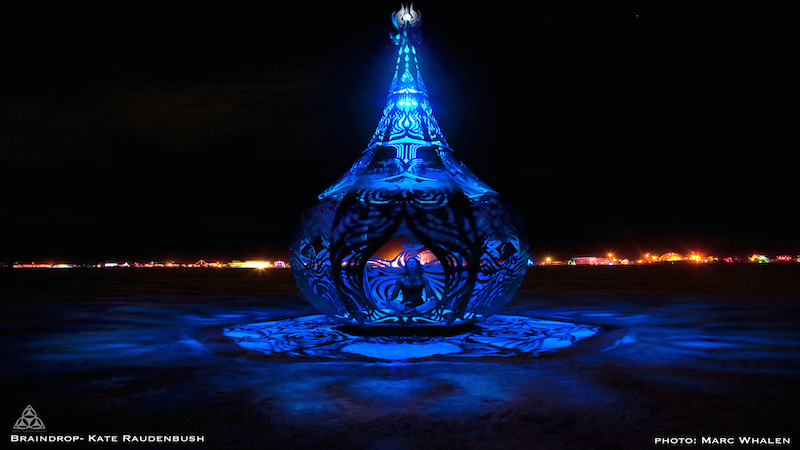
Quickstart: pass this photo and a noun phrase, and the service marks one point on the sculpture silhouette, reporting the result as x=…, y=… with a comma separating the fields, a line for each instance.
x=408, y=184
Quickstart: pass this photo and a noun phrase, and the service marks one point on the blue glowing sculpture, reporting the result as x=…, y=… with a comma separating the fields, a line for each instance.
x=409, y=236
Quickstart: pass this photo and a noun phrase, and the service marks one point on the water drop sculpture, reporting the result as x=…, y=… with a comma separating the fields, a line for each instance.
x=409, y=237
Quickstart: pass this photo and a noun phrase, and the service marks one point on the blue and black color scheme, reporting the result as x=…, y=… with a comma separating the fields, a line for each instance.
x=409, y=236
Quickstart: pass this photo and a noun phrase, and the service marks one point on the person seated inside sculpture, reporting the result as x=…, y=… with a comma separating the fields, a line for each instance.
x=413, y=283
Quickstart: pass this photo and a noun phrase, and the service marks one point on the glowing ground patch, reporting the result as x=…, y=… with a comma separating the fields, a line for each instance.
x=319, y=336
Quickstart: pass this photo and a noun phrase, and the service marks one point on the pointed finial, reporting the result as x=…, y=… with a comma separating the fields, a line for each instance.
x=407, y=21
x=407, y=15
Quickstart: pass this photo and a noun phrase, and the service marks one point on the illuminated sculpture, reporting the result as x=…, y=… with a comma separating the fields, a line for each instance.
x=409, y=236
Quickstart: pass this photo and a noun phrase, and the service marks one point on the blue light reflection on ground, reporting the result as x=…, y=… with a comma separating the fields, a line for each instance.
x=697, y=331
x=500, y=335
x=142, y=356
x=145, y=335
x=401, y=350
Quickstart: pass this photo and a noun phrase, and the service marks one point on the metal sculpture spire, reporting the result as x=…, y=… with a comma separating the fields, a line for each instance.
x=407, y=121
x=407, y=144
x=407, y=76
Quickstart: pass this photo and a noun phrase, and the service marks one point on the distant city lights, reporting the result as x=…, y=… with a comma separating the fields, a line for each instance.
x=248, y=264
x=610, y=259
x=668, y=257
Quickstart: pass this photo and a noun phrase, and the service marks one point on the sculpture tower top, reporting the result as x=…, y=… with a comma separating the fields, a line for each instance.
x=407, y=18
x=408, y=140
x=407, y=118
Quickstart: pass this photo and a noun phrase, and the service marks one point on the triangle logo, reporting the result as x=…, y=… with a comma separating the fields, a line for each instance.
x=29, y=421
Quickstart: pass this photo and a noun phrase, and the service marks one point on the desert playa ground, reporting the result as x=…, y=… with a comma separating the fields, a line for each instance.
x=684, y=350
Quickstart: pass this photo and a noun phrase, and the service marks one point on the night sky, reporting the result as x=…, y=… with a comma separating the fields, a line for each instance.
x=142, y=132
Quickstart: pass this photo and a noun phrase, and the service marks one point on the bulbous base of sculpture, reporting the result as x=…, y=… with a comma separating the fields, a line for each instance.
x=409, y=259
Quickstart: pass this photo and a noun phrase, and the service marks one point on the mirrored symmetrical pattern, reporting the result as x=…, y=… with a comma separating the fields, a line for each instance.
x=320, y=336
x=409, y=236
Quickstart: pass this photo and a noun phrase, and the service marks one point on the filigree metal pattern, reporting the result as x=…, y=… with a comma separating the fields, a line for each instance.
x=319, y=336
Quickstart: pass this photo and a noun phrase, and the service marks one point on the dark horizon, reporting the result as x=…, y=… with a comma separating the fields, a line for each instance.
x=205, y=134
